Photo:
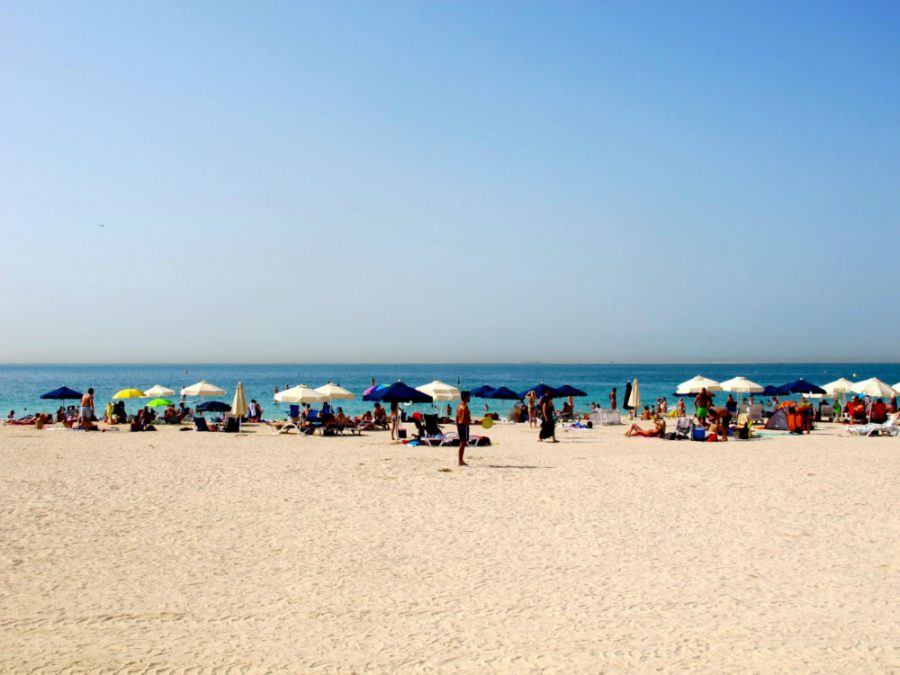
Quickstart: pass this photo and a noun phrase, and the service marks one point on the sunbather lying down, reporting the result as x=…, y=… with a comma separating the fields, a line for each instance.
x=658, y=430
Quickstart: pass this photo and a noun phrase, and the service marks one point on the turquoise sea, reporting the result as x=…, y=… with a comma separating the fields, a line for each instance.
x=22, y=385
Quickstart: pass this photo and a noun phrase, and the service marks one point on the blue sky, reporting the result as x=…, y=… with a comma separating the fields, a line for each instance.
x=476, y=181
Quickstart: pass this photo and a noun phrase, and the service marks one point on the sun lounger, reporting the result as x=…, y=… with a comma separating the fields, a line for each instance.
x=201, y=425
x=604, y=418
x=889, y=428
x=755, y=413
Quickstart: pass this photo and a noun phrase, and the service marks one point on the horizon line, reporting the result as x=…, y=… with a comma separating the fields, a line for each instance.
x=442, y=363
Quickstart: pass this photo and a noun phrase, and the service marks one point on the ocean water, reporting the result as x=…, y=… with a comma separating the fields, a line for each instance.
x=22, y=385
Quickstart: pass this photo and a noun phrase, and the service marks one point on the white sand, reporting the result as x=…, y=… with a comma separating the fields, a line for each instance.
x=180, y=550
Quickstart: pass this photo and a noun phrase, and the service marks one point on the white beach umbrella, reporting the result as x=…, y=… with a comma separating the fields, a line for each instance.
x=840, y=386
x=897, y=388
x=333, y=392
x=873, y=387
x=203, y=388
x=741, y=385
x=696, y=383
x=239, y=404
x=300, y=394
x=440, y=391
x=634, y=398
x=159, y=391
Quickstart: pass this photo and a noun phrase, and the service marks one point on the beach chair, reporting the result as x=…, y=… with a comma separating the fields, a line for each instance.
x=609, y=417
x=232, y=424
x=432, y=434
x=889, y=428
x=683, y=428
x=755, y=413
x=201, y=425
x=826, y=413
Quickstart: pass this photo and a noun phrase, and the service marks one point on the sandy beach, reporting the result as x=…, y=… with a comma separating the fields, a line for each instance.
x=179, y=550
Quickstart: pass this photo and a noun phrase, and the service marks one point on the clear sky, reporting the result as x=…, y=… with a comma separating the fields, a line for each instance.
x=467, y=181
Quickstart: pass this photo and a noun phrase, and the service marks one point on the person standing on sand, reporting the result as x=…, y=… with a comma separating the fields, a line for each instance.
x=87, y=405
x=702, y=403
x=463, y=420
x=532, y=410
x=612, y=399
x=548, y=423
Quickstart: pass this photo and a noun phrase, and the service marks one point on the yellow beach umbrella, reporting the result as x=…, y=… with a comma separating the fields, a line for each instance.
x=239, y=404
x=130, y=393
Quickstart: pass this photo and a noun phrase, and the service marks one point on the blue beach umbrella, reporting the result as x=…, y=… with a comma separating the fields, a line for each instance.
x=62, y=393
x=569, y=390
x=503, y=394
x=399, y=392
x=540, y=390
x=372, y=392
x=213, y=406
x=484, y=391
x=800, y=386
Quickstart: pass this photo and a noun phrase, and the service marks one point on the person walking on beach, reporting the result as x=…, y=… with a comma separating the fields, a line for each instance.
x=87, y=405
x=463, y=420
x=612, y=399
x=548, y=423
x=395, y=421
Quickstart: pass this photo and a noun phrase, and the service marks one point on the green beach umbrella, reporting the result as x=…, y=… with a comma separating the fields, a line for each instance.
x=159, y=402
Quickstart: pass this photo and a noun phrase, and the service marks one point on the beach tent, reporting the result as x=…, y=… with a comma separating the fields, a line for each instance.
x=873, y=387
x=129, y=393
x=213, y=406
x=333, y=392
x=569, y=390
x=778, y=420
x=203, y=388
x=157, y=390
x=540, y=390
x=695, y=384
x=440, y=391
x=62, y=393
x=399, y=392
x=800, y=386
x=300, y=394
x=484, y=391
x=503, y=394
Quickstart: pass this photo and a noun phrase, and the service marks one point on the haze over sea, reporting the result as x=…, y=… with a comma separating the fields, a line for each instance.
x=22, y=385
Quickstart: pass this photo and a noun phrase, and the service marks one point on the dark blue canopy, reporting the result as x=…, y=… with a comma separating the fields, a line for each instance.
x=800, y=386
x=213, y=406
x=61, y=393
x=484, y=391
x=540, y=390
x=371, y=393
x=772, y=390
x=569, y=390
x=504, y=394
x=399, y=393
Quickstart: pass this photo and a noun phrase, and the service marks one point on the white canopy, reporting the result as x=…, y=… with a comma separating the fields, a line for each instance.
x=897, y=387
x=203, y=388
x=696, y=383
x=741, y=385
x=634, y=398
x=333, y=392
x=299, y=394
x=873, y=387
x=239, y=404
x=840, y=386
x=440, y=391
x=157, y=390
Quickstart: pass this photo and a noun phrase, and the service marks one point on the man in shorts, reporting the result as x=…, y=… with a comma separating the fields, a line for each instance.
x=463, y=420
x=702, y=403
x=87, y=405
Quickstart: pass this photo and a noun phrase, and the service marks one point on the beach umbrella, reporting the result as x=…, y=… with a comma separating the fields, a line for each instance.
x=484, y=391
x=159, y=390
x=695, y=384
x=213, y=406
x=440, y=391
x=540, y=390
x=370, y=393
x=333, y=392
x=203, y=388
x=741, y=385
x=634, y=398
x=399, y=392
x=772, y=390
x=800, y=386
x=129, y=393
x=569, y=390
x=873, y=387
x=62, y=393
x=159, y=402
x=239, y=403
x=896, y=387
x=300, y=394
x=839, y=386
x=503, y=394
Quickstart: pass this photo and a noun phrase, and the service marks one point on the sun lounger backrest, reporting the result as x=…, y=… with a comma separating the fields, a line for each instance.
x=294, y=411
x=200, y=423
x=431, y=425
